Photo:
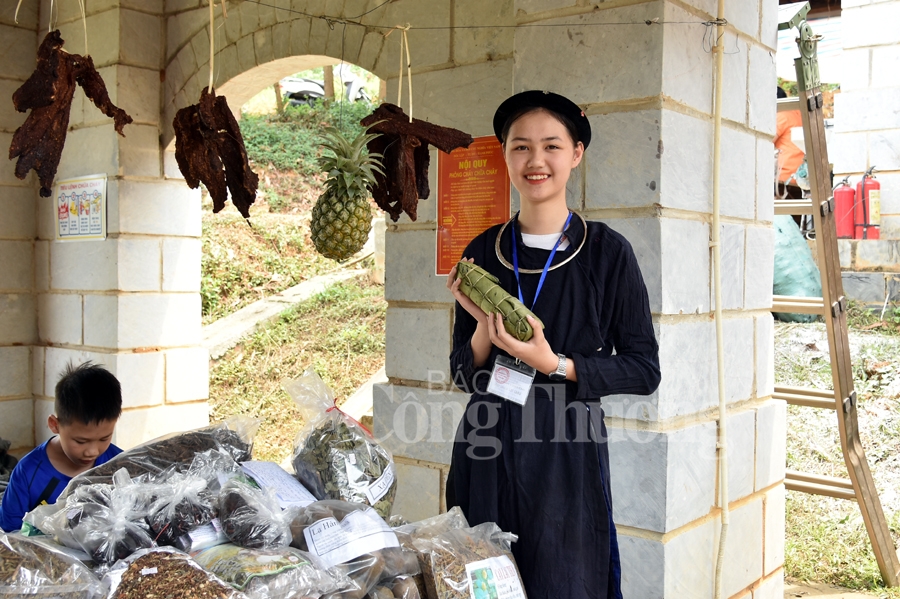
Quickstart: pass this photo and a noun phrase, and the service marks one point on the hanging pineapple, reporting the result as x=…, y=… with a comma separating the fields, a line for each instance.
x=342, y=216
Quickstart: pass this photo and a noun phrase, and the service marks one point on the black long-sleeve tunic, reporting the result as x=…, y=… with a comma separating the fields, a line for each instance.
x=542, y=471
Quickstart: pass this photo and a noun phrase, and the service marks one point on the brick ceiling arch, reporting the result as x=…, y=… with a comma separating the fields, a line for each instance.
x=258, y=45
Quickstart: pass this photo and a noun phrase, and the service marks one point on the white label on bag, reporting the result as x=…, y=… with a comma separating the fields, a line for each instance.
x=148, y=571
x=495, y=577
x=289, y=490
x=380, y=487
x=362, y=531
x=206, y=535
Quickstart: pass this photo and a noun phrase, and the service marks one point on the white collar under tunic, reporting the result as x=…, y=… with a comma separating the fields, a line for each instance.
x=580, y=243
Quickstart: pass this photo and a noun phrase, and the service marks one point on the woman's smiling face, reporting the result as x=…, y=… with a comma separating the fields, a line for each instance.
x=540, y=155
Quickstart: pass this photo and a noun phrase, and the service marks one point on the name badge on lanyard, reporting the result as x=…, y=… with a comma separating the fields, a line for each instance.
x=511, y=380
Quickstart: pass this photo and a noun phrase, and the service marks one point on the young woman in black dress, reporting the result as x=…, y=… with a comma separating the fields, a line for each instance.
x=539, y=465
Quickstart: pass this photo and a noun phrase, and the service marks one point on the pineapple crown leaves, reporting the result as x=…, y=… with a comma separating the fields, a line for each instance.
x=351, y=169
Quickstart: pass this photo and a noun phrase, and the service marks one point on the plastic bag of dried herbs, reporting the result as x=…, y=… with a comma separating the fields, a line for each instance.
x=108, y=522
x=252, y=517
x=355, y=539
x=187, y=504
x=31, y=568
x=335, y=457
x=234, y=437
x=284, y=573
x=191, y=498
x=470, y=562
x=432, y=527
x=202, y=537
x=165, y=573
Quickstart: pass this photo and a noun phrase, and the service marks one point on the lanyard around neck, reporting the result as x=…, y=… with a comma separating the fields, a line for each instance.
x=515, y=257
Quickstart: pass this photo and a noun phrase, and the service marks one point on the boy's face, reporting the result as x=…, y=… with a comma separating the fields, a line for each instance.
x=83, y=443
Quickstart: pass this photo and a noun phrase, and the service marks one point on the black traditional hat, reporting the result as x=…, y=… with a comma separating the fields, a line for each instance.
x=543, y=99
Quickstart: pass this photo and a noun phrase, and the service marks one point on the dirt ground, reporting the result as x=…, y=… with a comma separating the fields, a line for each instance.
x=793, y=590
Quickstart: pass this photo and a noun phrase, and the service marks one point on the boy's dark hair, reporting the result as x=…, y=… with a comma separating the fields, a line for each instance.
x=88, y=393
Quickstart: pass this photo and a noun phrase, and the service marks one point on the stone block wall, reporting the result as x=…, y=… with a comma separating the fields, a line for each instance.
x=648, y=175
x=18, y=326
x=130, y=302
x=871, y=270
x=866, y=113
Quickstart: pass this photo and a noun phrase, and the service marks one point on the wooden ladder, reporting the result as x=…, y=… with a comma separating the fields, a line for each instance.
x=832, y=307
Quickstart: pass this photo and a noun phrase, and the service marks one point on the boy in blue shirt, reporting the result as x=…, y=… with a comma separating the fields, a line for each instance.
x=88, y=404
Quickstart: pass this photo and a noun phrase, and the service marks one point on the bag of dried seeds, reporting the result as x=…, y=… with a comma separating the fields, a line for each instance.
x=31, y=568
x=252, y=517
x=336, y=457
x=466, y=563
x=151, y=459
x=165, y=573
x=284, y=573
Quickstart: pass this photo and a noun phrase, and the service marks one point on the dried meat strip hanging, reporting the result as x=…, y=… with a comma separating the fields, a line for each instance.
x=404, y=146
x=209, y=148
x=48, y=94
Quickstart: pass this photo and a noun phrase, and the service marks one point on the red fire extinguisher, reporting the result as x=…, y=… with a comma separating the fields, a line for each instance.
x=867, y=210
x=844, y=197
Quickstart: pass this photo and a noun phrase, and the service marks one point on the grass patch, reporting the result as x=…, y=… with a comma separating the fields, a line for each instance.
x=862, y=318
x=826, y=540
x=290, y=141
x=241, y=264
x=339, y=332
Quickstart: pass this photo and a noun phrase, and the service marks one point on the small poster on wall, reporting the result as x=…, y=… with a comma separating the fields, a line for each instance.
x=473, y=194
x=81, y=208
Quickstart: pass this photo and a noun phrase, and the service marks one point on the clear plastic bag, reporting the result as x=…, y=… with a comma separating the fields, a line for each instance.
x=407, y=587
x=431, y=527
x=32, y=569
x=165, y=572
x=191, y=499
x=177, y=450
x=284, y=573
x=215, y=466
x=335, y=457
x=252, y=517
x=470, y=562
x=353, y=536
x=186, y=505
x=108, y=522
x=202, y=537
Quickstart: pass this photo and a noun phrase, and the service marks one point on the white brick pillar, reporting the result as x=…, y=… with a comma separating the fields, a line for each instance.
x=420, y=309
x=866, y=112
x=18, y=326
x=130, y=302
x=648, y=91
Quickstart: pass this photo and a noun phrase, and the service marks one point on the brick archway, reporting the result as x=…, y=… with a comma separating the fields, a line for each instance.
x=258, y=45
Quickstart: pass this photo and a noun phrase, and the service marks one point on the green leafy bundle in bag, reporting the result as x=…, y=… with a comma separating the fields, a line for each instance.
x=484, y=289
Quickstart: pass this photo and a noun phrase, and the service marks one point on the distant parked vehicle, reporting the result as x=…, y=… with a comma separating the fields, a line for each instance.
x=299, y=91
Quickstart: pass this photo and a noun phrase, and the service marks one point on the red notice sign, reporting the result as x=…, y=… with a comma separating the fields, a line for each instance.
x=473, y=194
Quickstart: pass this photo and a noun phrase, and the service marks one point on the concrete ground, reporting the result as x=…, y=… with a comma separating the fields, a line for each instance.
x=793, y=590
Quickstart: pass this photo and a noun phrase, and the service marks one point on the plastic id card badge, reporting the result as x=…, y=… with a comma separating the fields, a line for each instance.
x=511, y=380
